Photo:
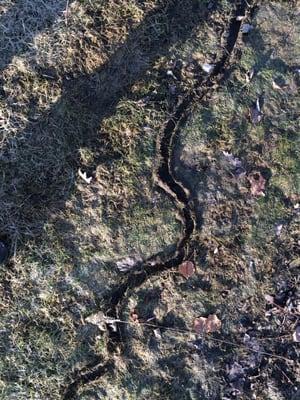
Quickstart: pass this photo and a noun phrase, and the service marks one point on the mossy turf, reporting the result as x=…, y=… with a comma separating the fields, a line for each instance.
x=85, y=89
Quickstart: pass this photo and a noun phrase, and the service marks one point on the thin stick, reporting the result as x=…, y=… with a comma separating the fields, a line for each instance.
x=284, y=374
x=210, y=338
x=66, y=12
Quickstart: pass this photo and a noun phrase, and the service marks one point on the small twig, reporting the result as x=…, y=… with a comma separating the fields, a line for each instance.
x=288, y=335
x=284, y=374
x=210, y=338
x=66, y=12
x=285, y=311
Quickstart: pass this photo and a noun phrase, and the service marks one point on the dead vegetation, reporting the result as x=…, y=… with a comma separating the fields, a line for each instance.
x=85, y=90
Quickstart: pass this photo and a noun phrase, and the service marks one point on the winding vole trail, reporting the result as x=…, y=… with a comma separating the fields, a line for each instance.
x=173, y=187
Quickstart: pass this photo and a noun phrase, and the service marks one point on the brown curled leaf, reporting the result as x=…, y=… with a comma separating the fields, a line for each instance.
x=257, y=182
x=187, y=269
x=207, y=325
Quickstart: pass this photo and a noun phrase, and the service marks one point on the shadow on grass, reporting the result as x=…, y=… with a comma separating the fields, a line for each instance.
x=40, y=176
x=41, y=162
x=22, y=21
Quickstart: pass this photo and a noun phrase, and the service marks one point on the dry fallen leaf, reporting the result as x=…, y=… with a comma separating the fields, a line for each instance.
x=157, y=333
x=269, y=299
x=134, y=316
x=255, y=113
x=186, y=269
x=128, y=263
x=101, y=320
x=171, y=74
x=257, y=182
x=296, y=335
x=278, y=229
x=236, y=371
x=200, y=325
x=295, y=263
x=112, y=323
x=208, y=68
x=84, y=176
x=207, y=325
x=249, y=75
x=275, y=86
x=97, y=319
x=234, y=161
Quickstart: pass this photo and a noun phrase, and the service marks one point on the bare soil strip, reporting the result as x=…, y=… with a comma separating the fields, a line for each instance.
x=167, y=181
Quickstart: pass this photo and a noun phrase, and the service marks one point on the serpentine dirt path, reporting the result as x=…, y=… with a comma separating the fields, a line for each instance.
x=166, y=180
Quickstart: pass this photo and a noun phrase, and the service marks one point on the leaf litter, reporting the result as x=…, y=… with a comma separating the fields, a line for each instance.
x=296, y=335
x=102, y=321
x=83, y=175
x=207, y=325
x=256, y=113
x=128, y=263
x=257, y=184
x=187, y=269
x=208, y=68
x=234, y=161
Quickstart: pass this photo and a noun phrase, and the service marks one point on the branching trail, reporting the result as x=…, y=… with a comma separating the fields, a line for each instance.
x=166, y=180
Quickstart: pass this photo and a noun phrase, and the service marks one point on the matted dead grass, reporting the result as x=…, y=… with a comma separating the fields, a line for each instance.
x=88, y=85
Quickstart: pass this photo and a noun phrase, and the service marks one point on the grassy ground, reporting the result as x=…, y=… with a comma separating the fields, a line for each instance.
x=86, y=86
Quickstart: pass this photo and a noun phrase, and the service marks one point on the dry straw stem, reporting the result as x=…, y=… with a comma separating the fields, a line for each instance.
x=210, y=338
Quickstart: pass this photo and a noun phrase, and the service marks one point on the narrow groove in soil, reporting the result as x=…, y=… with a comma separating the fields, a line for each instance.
x=169, y=184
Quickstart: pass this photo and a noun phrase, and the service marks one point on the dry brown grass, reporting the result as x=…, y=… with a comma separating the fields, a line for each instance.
x=89, y=89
